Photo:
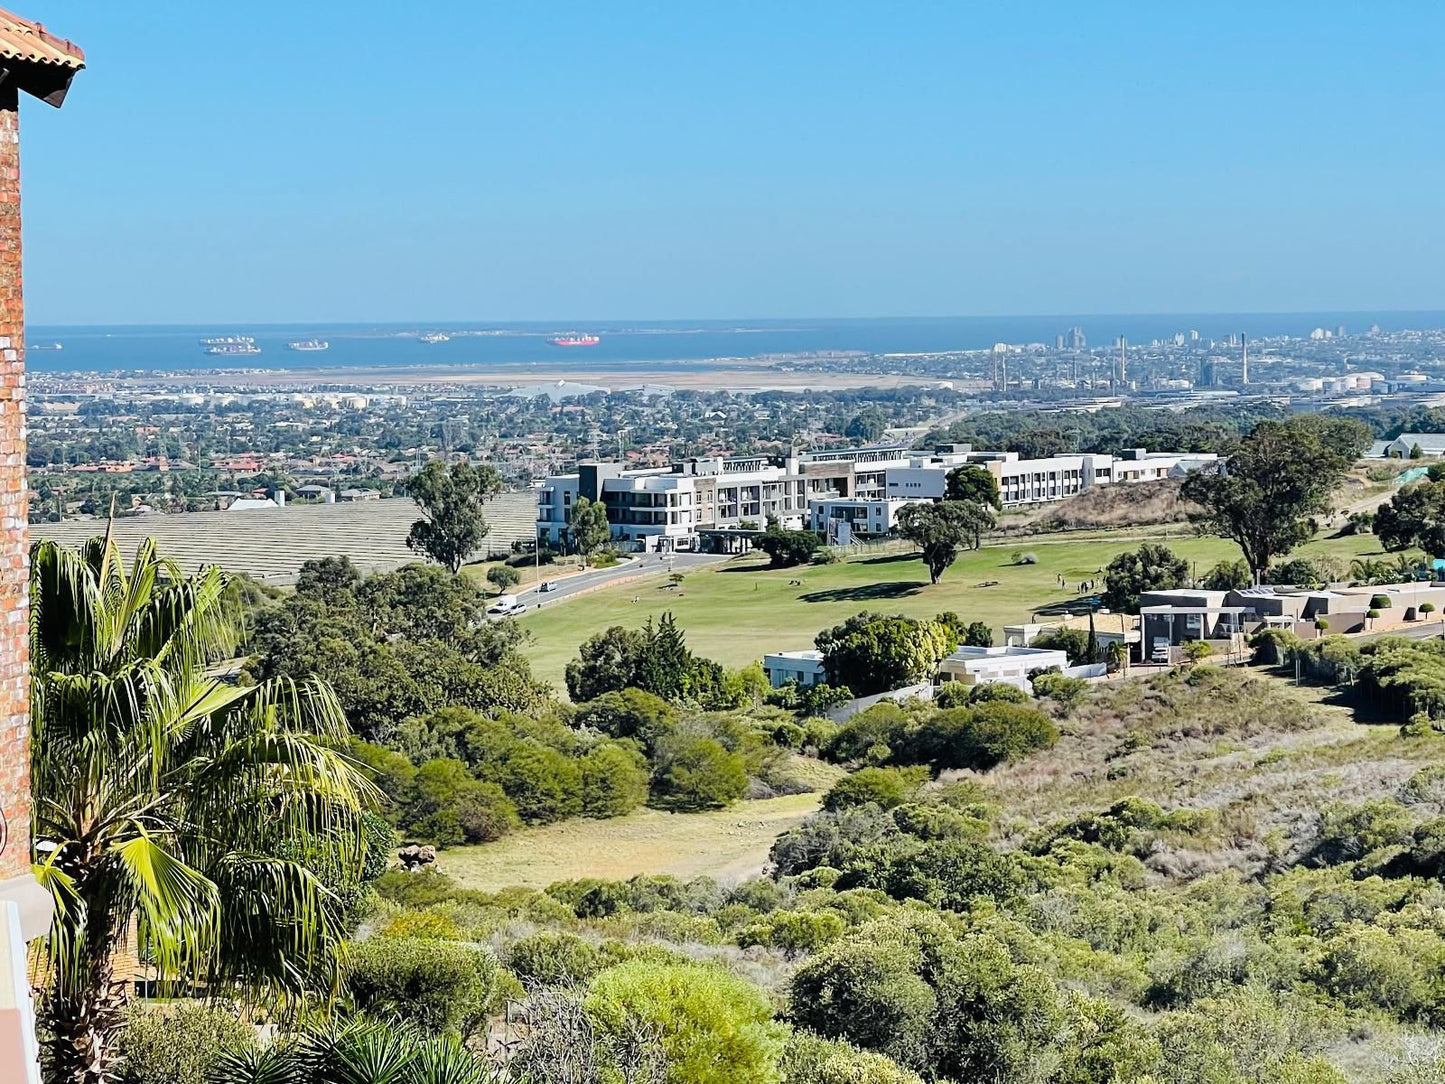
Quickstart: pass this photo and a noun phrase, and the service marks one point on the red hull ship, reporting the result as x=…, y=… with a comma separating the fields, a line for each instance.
x=575, y=340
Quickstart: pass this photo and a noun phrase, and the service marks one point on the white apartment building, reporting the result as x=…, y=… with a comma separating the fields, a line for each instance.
x=1032, y=481
x=1006, y=665
x=666, y=508
x=871, y=517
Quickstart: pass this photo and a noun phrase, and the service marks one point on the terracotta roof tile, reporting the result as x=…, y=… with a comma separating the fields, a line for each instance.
x=20, y=39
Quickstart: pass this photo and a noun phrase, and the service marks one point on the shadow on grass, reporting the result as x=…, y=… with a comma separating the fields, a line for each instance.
x=867, y=592
x=1365, y=710
x=890, y=559
x=756, y=566
x=1067, y=607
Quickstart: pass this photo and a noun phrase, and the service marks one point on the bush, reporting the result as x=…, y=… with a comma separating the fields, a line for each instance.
x=713, y=1027
x=435, y=985
x=630, y=713
x=996, y=691
x=1379, y=602
x=179, y=1043
x=793, y=932
x=614, y=781
x=810, y=1059
x=1065, y=691
x=549, y=958
x=882, y=724
x=447, y=806
x=980, y=737
x=1026, y=558
x=883, y=787
x=1197, y=651
x=1394, y=970
x=693, y=773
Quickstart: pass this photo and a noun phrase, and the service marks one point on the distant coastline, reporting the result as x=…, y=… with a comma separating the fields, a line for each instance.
x=636, y=349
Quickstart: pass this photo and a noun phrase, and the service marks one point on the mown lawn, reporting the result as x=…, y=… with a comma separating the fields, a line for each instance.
x=730, y=844
x=738, y=611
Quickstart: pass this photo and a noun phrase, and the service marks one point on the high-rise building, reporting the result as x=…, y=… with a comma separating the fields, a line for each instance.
x=1058, y=342
x=1077, y=341
x=1206, y=373
x=1340, y=332
x=1193, y=335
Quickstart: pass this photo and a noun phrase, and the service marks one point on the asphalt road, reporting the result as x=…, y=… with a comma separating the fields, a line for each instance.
x=644, y=564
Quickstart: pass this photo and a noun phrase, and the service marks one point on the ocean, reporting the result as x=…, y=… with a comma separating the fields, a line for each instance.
x=694, y=344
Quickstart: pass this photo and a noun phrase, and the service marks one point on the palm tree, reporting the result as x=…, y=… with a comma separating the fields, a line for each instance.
x=167, y=801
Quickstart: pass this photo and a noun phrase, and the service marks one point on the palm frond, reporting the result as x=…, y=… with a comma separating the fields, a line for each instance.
x=179, y=906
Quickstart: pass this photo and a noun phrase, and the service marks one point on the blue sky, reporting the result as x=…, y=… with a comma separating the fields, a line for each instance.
x=322, y=161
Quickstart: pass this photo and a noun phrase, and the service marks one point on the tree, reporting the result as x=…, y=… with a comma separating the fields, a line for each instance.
x=1227, y=576
x=867, y=425
x=977, y=634
x=872, y=653
x=503, y=576
x=788, y=548
x=1152, y=567
x=196, y=810
x=451, y=498
x=970, y=482
x=941, y=530
x=1415, y=516
x=606, y=662
x=1274, y=483
x=588, y=527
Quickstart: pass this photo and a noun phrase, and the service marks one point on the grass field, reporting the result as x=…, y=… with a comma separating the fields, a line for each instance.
x=730, y=844
x=738, y=611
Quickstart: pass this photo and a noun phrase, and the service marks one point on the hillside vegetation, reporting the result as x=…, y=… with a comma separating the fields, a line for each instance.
x=1204, y=875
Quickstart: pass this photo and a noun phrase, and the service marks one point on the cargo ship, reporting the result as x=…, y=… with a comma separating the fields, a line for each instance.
x=309, y=346
x=575, y=340
x=229, y=340
x=234, y=349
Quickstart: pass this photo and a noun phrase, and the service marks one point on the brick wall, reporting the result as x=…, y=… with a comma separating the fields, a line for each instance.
x=14, y=552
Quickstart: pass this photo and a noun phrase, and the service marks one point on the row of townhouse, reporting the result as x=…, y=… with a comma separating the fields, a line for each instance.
x=844, y=492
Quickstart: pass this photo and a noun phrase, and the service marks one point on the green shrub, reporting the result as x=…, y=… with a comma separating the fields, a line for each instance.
x=427, y=925
x=792, y=932
x=1197, y=651
x=811, y=1059
x=1066, y=691
x=1380, y=602
x=713, y=1027
x=1394, y=970
x=448, y=806
x=630, y=713
x=996, y=691
x=179, y=1043
x=435, y=985
x=880, y=725
x=549, y=958
x=883, y=787
x=692, y=773
x=614, y=780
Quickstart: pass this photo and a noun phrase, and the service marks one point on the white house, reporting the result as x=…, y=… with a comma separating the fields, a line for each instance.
x=1006, y=665
x=801, y=667
x=1430, y=444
